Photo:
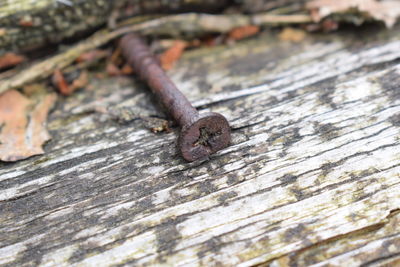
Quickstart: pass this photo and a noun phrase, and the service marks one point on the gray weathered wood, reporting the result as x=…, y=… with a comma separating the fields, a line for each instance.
x=312, y=175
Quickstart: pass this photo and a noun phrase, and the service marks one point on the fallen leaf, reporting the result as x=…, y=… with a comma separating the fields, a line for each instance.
x=171, y=55
x=116, y=56
x=112, y=69
x=127, y=69
x=21, y=137
x=386, y=11
x=61, y=84
x=243, y=32
x=292, y=35
x=32, y=89
x=92, y=55
x=81, y=81
x=10, y=60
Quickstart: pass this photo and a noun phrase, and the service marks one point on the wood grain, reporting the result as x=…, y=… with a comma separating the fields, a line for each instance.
x=312, y=176
x=27, y=25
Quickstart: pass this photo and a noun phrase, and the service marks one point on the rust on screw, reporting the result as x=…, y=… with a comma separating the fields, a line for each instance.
x=201, y=134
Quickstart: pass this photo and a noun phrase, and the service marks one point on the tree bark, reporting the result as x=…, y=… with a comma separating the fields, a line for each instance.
x=27, y=25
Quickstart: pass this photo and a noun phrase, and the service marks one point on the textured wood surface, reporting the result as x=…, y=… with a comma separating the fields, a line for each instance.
x=312, y=175
x=26, y=24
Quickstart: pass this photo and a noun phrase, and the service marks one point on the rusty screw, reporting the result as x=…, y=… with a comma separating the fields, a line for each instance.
x=201, y=134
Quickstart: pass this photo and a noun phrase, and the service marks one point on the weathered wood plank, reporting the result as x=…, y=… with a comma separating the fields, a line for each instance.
x=373, y=246
x=312, y=176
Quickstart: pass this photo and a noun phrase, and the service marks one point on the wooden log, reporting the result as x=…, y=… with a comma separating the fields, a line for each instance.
x=311, y=177
x=26, y=25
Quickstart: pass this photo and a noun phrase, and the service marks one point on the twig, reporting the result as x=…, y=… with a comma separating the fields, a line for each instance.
x=268, y=19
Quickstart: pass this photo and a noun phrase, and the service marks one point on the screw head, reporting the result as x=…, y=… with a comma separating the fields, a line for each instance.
x=209, y=133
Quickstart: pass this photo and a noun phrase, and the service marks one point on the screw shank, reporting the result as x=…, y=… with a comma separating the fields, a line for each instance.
x=143, y=62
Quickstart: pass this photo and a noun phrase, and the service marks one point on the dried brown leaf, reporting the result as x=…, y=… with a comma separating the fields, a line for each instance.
x=21, y=138
x=92, y=55
x=243, y=32
x=127, y=69
x=61, y=84
x=81, y=81
x=112, y=69
x=116, y=56
x=386, y=11
x=173, y=54
x=292, y=35
x=10, y=60
x=32, y=89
